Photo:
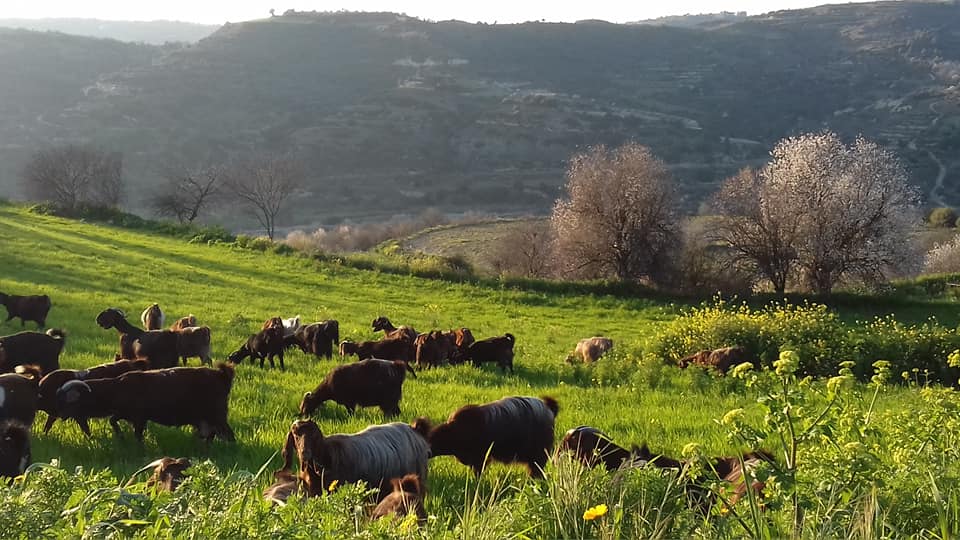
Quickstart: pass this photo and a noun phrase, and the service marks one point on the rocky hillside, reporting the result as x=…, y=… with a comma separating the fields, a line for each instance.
x=154, y=32
x=392, y=113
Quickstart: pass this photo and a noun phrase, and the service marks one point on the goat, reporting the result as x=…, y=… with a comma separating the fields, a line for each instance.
x=317, y=338
x=26, y=308
x=719, y=359
x=434, y=348
x=194, y=341
x=18, y=394
x=14, y=448
x=390, y=331
x=368, y=383
x=159, y=347
x=374, y=455
x=172, y=397
x=39, y=349
x=497, y=349
x=285, y=485
x=388, y=349
x=406, y=498
x=168, y=474
x=590, y=349
x=267, y=344
x=184, y=322
x=513, y=429
x=49, y=384
x=152, y=318
x=592, y=447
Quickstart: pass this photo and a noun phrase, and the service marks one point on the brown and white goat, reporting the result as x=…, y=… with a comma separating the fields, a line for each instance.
x=374, y=455
x=168, y=473
x=35, y=348
x=51, y=382
x=152, y=318
x=513, y=429
x=368, y=383
x=590, y=349
x=26, y=308
x=171, y=397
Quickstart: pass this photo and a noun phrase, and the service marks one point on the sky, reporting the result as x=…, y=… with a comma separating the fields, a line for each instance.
x=503, y=11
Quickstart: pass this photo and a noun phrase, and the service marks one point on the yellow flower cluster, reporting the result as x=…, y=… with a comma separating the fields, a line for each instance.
x=597, y=511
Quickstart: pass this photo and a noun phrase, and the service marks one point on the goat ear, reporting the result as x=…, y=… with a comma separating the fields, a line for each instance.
x=287, y=452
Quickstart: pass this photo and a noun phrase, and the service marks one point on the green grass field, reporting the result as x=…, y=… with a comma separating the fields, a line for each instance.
x=86, y=268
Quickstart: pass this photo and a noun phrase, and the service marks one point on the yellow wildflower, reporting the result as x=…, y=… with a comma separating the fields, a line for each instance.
x=333, y=486
x=591, y=514
x=732, y=417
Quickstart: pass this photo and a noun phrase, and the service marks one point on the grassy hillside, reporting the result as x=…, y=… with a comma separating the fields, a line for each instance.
x=85, y=268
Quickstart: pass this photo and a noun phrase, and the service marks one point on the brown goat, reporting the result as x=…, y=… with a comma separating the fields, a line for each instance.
x=47, y=392
x=152, y=318
x=388, y=349
x=592, y=447
x=513, y=429
x=435, y=348
x=14, y=448
x=159, y=347
x=18, y=394
x=184, y=322
x=34, y=348
x=317, y=339
x=26, y=308
x=192, y=342
x=497, y=349
x=168, y=474
x=368, y=383
x=392, y=332
x=719, y=359
x=406, y=498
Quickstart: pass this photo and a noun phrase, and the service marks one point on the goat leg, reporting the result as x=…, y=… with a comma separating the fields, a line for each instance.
x=84, y=425
x=115, y=424
x=51, y=418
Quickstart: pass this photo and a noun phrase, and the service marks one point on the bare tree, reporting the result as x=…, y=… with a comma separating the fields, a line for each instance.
x=187, y=193
x=74, y=175
x=832, y=210
x=619, y=217
x=758, y=233
x=525, y=250
x=264, y=185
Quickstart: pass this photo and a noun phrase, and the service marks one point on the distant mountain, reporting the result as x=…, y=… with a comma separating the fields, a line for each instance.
x=392, y=114
x=154, y=32
x=698, y=20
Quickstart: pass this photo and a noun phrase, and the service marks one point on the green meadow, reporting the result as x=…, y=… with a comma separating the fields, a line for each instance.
x=631, y=396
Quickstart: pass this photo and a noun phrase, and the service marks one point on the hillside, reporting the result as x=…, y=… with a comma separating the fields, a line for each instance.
x=82, y=486
x=392, y=114
x=152, y=32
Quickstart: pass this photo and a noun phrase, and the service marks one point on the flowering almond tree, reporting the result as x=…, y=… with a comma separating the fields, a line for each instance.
x=826, y=210
x=619, y=217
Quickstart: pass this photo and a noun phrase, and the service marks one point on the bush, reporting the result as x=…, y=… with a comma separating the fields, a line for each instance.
x=943, y=258
x=816, y=334
x=942, y=217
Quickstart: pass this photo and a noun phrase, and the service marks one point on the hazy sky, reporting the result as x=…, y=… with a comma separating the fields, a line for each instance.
x=219, y=11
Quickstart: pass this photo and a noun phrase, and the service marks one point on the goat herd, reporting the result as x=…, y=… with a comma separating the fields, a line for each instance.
x=145, y=384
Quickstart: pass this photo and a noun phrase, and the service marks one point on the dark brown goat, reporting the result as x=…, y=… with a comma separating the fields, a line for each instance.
x=14, y=448
x=317, y=339
x=172, y=397
x=39, y=349
x=168, y=474
x=592, y=447
x=27, y=308
x=388, y=349
x=496, y=349
x=18, y=394
x=159, y=347
x=392, y=332
x=193, y=342
x=513, y=429
x=266, y=344
x=719, y=359
x=368, y=383
x=435, y=348
x=47, y=392
x=374, y=455
x=406, y=498
x=184, y=322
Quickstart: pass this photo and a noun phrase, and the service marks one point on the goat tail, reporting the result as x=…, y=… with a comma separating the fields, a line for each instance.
x=57, y=333
x=410, y=369
x=551, y=404
x=422, y=426
x=227, y=373
x=287, y=452
x=30, y=371
x=510, y=337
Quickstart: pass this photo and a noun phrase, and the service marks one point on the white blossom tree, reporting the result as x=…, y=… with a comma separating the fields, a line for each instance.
x=840, y=211
x=619, y=218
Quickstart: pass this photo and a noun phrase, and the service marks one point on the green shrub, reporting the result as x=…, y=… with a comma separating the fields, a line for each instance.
x=942, y=217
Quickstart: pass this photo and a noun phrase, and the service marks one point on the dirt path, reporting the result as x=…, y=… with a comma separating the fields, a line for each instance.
x=938, y=183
